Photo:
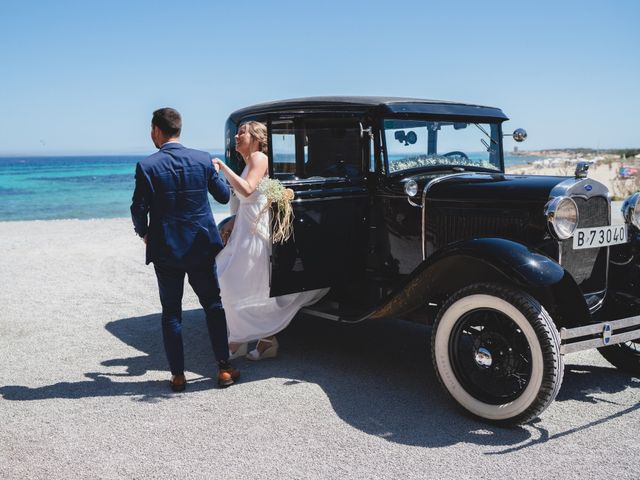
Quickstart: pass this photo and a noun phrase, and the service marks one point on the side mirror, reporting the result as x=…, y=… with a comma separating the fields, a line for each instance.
x=519, y=135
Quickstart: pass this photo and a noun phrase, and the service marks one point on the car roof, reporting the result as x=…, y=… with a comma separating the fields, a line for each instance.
x=390, y=105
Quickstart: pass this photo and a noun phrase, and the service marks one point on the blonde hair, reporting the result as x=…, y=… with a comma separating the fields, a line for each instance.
x=258, y=131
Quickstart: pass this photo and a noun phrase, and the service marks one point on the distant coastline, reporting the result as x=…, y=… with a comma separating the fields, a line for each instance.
x=620, y=152
x=617, y=169
x=558, y=157
x=216, y=152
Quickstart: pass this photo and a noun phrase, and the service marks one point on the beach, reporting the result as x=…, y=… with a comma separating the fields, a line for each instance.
x=84, y=390
x=607, y=174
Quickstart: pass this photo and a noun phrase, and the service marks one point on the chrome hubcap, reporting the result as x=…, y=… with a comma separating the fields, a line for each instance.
x=483, y=357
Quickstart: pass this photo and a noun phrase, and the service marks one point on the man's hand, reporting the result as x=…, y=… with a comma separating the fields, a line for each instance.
x=144, y=239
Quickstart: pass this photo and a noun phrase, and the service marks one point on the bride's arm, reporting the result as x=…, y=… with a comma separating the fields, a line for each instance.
x=257, y=163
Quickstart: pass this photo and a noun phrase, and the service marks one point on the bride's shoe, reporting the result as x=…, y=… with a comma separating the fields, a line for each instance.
x=270, y=352
x=241, y=351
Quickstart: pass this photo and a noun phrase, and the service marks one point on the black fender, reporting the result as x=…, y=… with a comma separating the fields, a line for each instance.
x=623, y=294
x=494, y=260
x=624, y=265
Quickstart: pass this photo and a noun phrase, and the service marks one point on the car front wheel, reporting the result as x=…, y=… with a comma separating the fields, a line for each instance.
x=497, y=353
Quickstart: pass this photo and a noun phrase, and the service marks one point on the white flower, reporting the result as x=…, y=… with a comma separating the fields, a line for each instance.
x=435, y=160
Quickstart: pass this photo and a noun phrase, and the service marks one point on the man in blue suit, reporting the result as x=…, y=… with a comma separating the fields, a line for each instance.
x=170, y=211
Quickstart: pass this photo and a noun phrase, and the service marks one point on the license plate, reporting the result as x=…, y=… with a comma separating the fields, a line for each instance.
x=599, y=236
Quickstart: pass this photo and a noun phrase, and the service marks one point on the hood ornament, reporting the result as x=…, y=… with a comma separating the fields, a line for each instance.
x=581, y=169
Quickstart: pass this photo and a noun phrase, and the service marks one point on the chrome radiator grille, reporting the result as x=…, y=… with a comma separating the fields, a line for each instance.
x=587, y=266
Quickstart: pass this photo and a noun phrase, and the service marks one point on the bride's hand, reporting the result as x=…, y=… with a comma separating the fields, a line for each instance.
x=217, y=163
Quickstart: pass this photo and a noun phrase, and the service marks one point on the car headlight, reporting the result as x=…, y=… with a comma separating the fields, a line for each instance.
x=562, y=217
x=630, y=210
x=411, y=188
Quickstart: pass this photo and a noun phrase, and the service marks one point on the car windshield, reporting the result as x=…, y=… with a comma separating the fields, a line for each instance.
x=414, y=144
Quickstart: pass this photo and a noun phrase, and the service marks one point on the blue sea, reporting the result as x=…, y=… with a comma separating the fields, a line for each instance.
x=45, y=188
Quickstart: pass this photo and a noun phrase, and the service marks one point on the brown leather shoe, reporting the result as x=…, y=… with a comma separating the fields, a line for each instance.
x=178, y=383
x=227, y=376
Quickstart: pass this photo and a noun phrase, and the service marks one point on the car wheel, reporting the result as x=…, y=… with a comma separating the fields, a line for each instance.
x=625, y=356
x=496, y=351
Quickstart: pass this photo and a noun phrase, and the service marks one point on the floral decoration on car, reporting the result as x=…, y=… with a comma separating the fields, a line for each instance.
x=437, y=160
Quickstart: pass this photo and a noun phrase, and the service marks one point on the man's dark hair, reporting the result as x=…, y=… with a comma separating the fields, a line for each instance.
x=168, y=120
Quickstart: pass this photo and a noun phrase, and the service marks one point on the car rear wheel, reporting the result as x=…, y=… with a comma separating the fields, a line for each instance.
x=624, y=356
x=497, y=353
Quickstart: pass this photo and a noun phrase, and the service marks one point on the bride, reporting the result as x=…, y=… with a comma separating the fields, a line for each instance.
x=243, y=265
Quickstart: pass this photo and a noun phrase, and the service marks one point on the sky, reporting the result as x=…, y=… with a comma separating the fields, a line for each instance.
x=83, y=77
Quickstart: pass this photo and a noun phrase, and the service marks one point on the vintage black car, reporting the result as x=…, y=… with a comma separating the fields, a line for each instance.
x=403, y=208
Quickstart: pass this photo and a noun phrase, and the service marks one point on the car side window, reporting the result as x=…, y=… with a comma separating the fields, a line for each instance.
x=332, y=148
x=283, y=147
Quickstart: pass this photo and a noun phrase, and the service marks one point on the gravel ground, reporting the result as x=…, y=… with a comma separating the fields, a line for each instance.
x=83, y=388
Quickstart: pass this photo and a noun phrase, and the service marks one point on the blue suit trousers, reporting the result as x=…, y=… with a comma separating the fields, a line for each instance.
x=204, y=281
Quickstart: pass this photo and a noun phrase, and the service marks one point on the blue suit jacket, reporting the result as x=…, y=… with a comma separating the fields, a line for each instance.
x=170, y=205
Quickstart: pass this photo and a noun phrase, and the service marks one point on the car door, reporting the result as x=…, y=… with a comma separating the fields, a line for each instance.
x=324, y=160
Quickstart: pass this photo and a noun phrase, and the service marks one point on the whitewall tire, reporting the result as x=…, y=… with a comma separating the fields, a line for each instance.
x=496, y=351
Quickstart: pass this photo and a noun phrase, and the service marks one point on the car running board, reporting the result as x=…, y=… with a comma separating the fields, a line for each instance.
x=599, y=334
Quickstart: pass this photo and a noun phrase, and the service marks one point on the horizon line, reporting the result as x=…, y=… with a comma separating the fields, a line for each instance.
x=220, y=150
x=91, y=153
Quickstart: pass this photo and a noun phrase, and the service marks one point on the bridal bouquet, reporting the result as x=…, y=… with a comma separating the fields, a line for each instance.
x=283, y=220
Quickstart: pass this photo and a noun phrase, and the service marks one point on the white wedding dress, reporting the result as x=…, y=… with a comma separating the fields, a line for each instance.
x=243, y=272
